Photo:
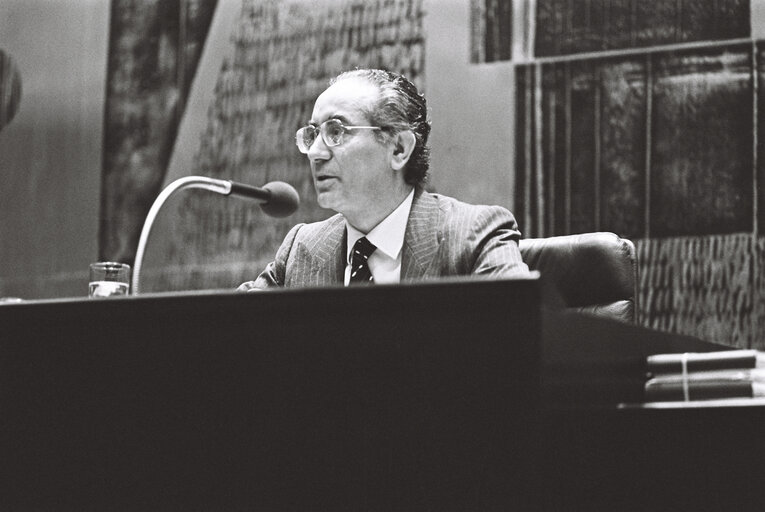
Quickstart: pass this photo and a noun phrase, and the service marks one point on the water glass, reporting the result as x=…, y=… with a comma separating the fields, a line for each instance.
x=109, y=279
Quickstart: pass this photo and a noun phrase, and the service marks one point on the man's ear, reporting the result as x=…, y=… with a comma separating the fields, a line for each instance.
x=403, y=145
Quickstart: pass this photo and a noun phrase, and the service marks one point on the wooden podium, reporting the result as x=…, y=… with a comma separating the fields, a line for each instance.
x=391, y=397
x=452, y=395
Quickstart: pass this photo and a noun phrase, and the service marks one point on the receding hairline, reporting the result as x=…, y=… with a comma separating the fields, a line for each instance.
x=367, y=107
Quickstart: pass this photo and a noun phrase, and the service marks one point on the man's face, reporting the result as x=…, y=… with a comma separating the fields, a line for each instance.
x=351, y=177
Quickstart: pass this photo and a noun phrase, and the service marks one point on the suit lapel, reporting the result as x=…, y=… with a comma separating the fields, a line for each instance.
x=328, y=254
x=422, y=238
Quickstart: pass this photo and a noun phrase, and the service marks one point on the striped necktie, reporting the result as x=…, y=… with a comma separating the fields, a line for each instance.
x=360, y=273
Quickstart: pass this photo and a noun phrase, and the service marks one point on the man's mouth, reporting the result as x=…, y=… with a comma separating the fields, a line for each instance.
x=324, y=178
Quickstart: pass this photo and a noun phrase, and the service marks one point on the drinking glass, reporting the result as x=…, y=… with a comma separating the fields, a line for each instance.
x=109, y=279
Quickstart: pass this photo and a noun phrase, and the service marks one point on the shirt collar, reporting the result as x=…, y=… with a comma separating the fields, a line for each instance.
x=388, y=235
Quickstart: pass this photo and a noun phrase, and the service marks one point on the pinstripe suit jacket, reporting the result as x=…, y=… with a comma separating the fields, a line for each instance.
x=444, y=237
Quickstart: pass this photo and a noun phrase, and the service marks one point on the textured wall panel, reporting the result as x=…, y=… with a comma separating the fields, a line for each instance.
x=566, y=26
x=584, y=152
x=524, y=138
x=698, y=159
x=585, y=119
x=665, y=148
x=557, y=137
x=702, y=286
x=701, y=159
x=491, y=35
x=622, y=147
x=758, y=308
x=758, y=115
x=153, y=50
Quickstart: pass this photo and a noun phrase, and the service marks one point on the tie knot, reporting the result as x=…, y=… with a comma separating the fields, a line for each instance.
x=363, y=248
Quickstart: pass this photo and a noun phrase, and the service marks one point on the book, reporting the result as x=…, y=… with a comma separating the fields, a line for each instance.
x=694, y=376
x=705, y=361
x=706, y=385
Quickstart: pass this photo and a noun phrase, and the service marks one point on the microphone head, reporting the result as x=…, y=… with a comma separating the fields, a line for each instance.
x=284, y=199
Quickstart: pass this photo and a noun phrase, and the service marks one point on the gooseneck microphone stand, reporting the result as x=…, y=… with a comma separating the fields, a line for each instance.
x=277, y=199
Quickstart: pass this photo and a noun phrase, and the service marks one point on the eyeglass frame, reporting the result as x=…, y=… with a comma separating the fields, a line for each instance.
x=300, y=140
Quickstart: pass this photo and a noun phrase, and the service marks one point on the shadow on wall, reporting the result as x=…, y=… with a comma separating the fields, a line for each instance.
x=10, y=89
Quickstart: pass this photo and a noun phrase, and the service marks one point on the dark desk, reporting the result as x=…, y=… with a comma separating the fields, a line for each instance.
x=429, y=397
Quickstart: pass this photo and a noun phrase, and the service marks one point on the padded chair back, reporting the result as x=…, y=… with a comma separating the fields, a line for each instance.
x=593, y=272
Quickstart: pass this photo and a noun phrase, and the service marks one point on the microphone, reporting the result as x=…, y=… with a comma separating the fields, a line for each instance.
x=278, y=199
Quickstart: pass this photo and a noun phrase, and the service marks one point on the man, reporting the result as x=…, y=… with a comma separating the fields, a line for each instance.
x=366, y=144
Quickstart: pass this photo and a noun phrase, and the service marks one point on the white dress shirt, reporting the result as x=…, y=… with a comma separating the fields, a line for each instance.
x=388, y=237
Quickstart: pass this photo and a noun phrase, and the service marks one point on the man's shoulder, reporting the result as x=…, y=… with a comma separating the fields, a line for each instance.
x=457, y=218
x=320, y=229
x=457, y=207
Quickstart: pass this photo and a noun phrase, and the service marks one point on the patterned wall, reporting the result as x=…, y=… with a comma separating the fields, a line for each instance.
x=659, y=146
x=285, y=53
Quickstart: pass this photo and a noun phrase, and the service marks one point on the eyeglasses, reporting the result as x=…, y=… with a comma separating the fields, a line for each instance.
x=332, y=131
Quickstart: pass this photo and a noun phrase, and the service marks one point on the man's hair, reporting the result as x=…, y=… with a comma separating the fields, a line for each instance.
x=399, y=107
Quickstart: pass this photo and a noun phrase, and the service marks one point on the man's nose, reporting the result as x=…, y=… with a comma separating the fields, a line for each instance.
x=319, y=150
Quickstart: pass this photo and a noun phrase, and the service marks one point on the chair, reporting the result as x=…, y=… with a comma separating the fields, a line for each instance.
x=593, y=273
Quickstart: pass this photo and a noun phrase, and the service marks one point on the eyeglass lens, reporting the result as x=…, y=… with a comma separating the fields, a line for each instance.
x=331, y=130
x=306, y=137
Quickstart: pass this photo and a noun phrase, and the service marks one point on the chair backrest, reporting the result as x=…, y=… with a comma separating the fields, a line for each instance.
x=593, y=272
